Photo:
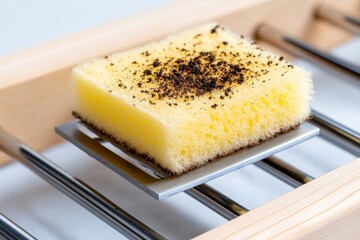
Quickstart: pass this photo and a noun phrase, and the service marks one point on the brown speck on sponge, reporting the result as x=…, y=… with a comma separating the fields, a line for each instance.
x=281, y=58
x=214, y=106
x=146, y=53
x=193, y=73
x=197, y=74
x=156, y=63
x=213, y=30
x=147, y=72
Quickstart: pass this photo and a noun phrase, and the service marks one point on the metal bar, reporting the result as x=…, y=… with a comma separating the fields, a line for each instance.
x=284, y=171
x=353, y=20
x=339, y=18
x=10, y=231
x=77, y=190
x=304, y=50
x=337, y=133
x=216, y=201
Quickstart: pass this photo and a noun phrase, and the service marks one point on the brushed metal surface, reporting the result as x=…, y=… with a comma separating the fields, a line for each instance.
x=164, y=188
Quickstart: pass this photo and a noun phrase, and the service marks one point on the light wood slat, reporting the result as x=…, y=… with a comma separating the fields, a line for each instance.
x=326, y=208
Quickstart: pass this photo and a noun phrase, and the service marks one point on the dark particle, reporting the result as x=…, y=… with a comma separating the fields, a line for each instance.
x=225, y=43
x=156, y=63
x=212, y=57
x=147, y=72
x=281, y=58
x=106, y=56
x=134, y=62
x=111, y=64
x=214, y=106
x=213, y=30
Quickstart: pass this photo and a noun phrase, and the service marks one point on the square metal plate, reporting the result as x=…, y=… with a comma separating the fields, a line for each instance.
x=164, y=188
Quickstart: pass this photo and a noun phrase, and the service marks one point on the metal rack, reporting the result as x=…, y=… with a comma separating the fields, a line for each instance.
x=132, y=228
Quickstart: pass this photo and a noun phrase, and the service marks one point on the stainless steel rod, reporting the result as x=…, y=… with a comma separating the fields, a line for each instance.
x=304, y=50
x=77, y=190
x=284, y=171
x=337, y=133
x=321, y=54
x=216, y=201
x=11, y=231
x=353, y=20
x=339, y=18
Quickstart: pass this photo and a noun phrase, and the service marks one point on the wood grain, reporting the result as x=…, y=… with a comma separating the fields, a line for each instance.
x=326, y=208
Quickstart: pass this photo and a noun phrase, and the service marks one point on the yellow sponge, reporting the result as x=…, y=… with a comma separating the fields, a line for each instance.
x=192, y=97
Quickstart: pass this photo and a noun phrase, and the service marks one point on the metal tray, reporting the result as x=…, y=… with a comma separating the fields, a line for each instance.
x=166, y=187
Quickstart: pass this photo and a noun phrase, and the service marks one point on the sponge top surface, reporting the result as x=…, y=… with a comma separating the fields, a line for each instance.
x=195, y=70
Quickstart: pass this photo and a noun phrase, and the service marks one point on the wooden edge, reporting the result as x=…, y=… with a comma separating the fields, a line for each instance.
x=326, y=208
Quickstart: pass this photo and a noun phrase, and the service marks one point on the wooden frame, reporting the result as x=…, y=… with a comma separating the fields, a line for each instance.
x=34, y=90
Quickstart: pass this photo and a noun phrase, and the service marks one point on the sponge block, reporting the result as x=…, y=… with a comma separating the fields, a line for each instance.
x=192, y=97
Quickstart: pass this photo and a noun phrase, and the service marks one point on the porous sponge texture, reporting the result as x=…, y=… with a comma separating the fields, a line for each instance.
x=192, y=97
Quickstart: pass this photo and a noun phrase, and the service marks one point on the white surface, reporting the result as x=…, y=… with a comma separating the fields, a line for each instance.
x=25, y=23
x=48, y=214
